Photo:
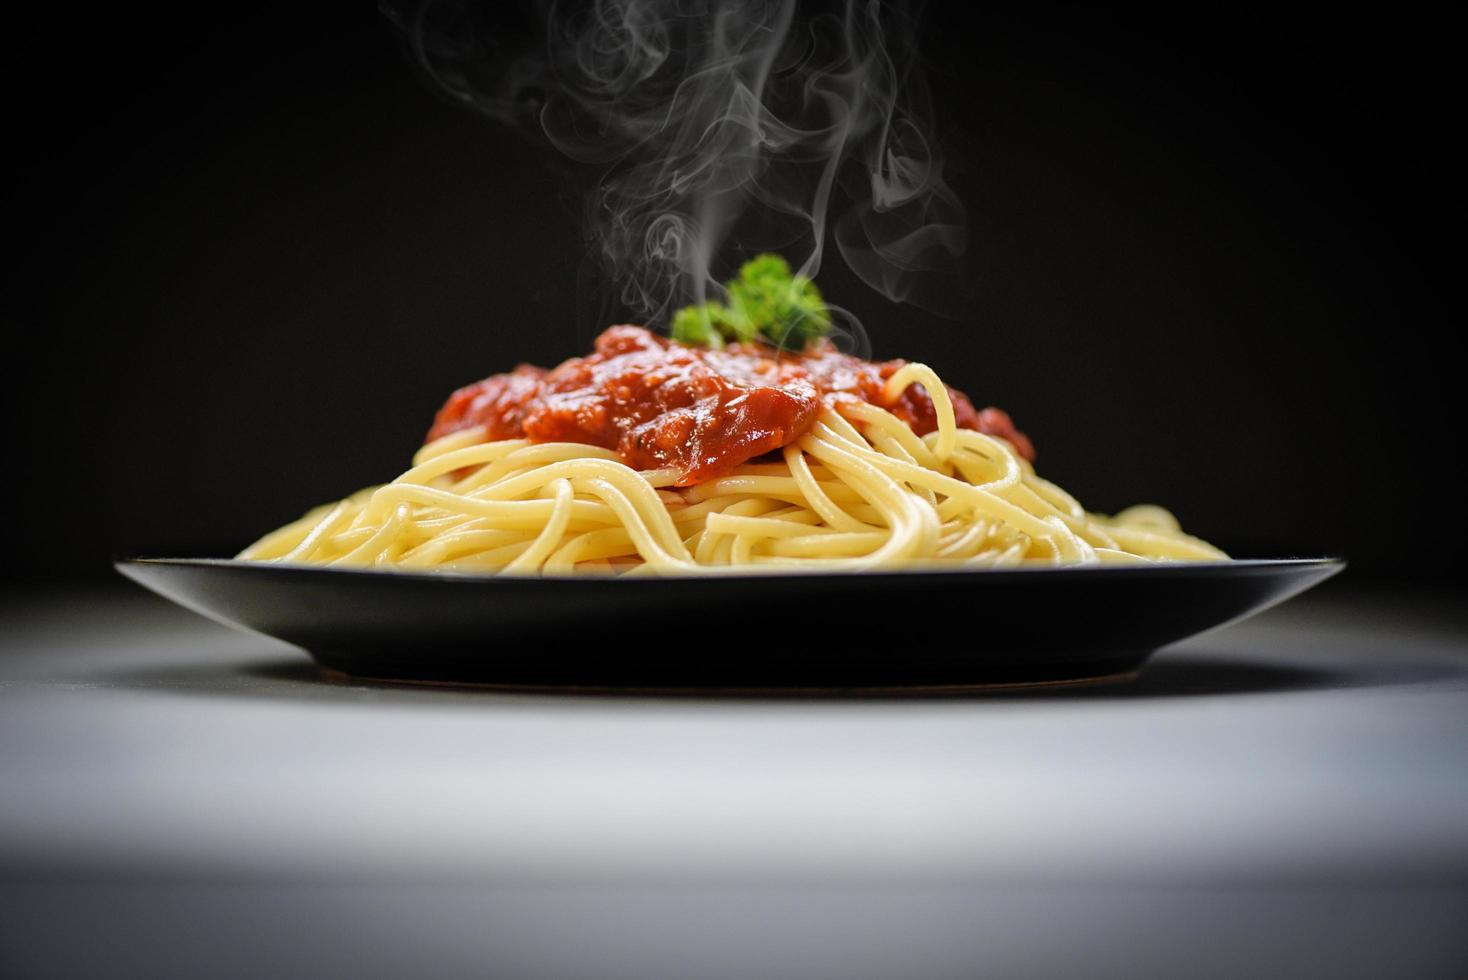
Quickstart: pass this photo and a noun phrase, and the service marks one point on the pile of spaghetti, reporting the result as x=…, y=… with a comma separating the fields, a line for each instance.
x=652, y=456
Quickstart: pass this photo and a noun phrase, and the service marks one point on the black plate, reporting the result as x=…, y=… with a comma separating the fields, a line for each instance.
x=919, y=629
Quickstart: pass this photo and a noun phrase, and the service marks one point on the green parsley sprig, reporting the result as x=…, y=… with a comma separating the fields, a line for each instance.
x=766, y=302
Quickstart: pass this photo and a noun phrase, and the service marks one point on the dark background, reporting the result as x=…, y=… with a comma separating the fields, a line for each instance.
x=253, y=253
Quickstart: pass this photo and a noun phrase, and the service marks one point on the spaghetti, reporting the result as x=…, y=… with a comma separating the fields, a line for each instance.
x=858, y=489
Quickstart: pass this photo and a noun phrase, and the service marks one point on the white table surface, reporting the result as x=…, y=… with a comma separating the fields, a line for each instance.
x=180, y=799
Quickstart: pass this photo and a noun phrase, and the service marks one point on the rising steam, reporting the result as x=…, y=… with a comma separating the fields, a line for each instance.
x=726, y=127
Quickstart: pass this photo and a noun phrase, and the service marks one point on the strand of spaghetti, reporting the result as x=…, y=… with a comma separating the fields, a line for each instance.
x=498, y=559
x=979, y=449
x=937, y=391
x=525, y=483
x=968, y=543
x=741, y=549
x=974, y=471
x=1027, y=496
x=831, y=544
x=837, y=422
x=1149, y=515
x=1042, y=497
x=503, y=494
x=1090, y=532
x=635, y=494
x=1012, y=555
x=816, y=495
x=879, y=419
x=529, y=458
x=1138, y=541
x=642, y=484
x=348, y=540
x=763, y=527
x=473, y=436
x=785, y=487
x=981, y=499
x=284, y=539
x=706, y=546
x=437, y=550
x=370, y=550
x=336, y=516
x=530, y=514
x=611, y=542
x=646, y=524
x=483, y=455
x=695, y=513
x=555, y=528
x=780, y=469
x=914, y=527
x=722, y=552
x=717, y=548
x=1117, y=556
x=1055, y=496
x=1069, y=547
x=324, y=521
x=883, y=443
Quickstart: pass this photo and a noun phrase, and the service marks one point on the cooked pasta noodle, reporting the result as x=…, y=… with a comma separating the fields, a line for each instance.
x=858, y=491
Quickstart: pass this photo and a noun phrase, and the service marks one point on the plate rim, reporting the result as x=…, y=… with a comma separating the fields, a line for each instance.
x=1332, y=564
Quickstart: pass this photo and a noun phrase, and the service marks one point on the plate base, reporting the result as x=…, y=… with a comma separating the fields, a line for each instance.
x=1086, y=674
x=904, y=631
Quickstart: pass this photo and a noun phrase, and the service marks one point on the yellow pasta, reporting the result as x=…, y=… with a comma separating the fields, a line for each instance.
x=859, y=491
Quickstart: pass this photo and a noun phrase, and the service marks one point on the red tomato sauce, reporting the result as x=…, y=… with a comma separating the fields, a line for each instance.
x=700, y=411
